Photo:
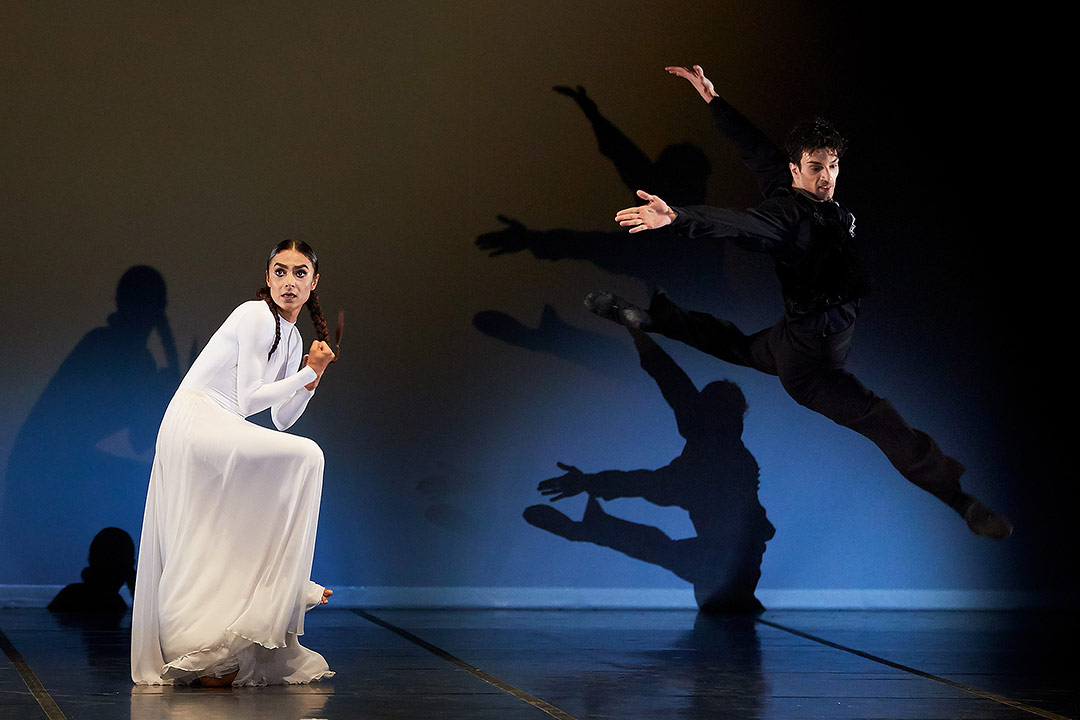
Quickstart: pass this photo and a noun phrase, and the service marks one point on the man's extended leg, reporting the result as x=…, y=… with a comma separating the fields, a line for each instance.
x=709, y=334
x=810, y=366
x=839, y=396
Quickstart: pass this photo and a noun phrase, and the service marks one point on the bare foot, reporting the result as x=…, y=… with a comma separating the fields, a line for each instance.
x=326, y=593
x=217, y=682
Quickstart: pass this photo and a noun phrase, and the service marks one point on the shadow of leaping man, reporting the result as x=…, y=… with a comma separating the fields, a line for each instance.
x=715, y=479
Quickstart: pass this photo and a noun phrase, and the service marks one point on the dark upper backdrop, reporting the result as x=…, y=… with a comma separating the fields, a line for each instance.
x=391, y=136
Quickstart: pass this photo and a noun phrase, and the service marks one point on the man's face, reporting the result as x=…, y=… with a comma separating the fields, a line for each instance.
x=816, y=173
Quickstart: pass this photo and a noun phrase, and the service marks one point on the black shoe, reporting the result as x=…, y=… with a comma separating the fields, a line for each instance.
x=614, y=308
x=981, y=520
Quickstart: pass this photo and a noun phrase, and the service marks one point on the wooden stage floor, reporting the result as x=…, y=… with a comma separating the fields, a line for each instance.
x=510, y=664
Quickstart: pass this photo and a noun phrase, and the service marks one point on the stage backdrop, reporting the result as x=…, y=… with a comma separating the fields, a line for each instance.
x=457, y=167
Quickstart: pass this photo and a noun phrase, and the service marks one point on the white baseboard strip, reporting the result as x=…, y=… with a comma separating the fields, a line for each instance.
x=578, y=598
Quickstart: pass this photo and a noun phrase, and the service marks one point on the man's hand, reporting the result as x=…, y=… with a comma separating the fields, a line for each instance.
x=696, y=77
x=568, y=485
x=655, y=214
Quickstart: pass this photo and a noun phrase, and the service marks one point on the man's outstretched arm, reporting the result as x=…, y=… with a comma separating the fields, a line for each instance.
x=765, y=159
x=761, y=229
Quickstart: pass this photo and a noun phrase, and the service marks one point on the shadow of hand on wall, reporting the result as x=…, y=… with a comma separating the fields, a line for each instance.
x=679, y=175
x=715, y=479
x=82, y=457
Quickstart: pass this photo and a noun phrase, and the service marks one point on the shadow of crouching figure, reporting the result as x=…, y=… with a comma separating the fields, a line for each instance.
x=715, y=479
x=110, y=566
x=82, y=457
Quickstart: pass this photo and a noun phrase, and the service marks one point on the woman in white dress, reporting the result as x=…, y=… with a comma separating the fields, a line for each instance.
x=232, y=508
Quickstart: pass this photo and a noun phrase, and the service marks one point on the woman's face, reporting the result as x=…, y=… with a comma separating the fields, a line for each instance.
x=291, y=279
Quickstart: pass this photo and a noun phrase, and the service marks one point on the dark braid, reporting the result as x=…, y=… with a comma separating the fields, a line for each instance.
x=317, y=318
x=264, y=294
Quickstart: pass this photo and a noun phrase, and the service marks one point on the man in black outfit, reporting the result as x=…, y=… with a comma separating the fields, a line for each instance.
x=811, y=239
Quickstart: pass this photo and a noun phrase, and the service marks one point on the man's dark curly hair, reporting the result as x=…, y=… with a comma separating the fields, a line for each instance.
x=811, y=135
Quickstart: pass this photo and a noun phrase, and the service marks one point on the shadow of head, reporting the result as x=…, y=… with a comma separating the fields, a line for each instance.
x=720, y=407
x=112, y=559
x=140, y=297
x=683, y=171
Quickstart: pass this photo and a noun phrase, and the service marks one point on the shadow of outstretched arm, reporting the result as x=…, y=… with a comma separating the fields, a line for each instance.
x=590, y=245
x=634, y=167
x=610, y=484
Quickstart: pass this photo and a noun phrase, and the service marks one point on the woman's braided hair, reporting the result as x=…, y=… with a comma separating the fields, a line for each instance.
x=312, y=303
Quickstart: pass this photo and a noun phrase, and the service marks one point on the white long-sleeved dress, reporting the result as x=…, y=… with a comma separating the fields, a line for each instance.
x=231, y=512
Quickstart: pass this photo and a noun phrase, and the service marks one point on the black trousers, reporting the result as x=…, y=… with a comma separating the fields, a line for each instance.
x=810, y=365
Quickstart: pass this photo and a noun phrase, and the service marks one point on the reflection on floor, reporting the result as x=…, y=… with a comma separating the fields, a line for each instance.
x=511, y=664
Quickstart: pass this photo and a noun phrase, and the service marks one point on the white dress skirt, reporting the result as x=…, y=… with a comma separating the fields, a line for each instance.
x=227, y=543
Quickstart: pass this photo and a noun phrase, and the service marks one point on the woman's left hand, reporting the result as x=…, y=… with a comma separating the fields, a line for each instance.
x=319, y=356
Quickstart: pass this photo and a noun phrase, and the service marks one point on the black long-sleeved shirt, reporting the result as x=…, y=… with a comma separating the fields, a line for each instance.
x=811, y=241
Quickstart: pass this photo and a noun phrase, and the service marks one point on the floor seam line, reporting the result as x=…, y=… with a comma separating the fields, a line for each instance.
x=33, y=684
x=490, y=679
x=1002, y=699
